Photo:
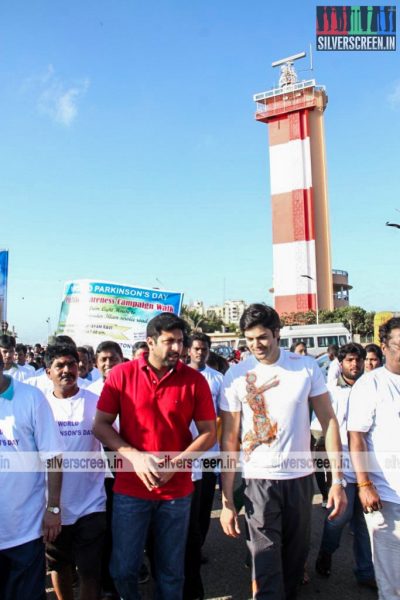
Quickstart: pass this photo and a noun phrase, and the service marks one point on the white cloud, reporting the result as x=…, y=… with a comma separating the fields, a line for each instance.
x=394, y=96
x=59, y=100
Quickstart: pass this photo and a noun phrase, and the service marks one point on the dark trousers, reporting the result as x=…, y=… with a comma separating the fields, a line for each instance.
x=323, y=476
x=208, y=484
x=107, y=582
x=278, y=516
x=193, y=586
x=23, y=572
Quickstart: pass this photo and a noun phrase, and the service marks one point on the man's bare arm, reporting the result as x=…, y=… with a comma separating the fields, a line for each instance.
x=51, y=521
x=229, y=443
x=326, y=416
x=144, y=464
x=204, y=441
x=367, y=492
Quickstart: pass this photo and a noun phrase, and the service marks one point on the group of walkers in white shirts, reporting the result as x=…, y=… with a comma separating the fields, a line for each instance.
x=265, y=406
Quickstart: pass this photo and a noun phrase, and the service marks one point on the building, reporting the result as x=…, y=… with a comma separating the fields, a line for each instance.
x=341, y=288
x=198, y=306
x=232, y=311
x=229, y=312
x=302, y=273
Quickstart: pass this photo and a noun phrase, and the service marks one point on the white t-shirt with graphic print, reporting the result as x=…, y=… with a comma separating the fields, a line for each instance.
x=27, y=429
x=275, y=416
x=82, y=491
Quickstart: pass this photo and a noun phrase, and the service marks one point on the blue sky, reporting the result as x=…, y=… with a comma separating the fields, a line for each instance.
x=129, y=150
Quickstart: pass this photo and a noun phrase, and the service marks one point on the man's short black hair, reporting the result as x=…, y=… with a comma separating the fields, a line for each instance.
x=200, y=337
x=7, y=342
x=61, y=340
x=351, y=348
x=140, y=346
x=376, y=350
x=386, y=329
x=21, y=348
x=109, y=346
x=333, y=349
x=165, y=322
x=83, y=350
x=58, y=350
x=260, y=314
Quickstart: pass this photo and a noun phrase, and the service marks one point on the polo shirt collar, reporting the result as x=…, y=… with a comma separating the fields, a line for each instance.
x=144, y=364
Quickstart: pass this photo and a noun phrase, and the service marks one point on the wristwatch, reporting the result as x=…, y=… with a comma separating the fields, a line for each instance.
x=54, y=509
x=341, y=482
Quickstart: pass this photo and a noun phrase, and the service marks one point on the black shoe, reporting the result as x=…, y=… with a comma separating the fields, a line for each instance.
x=144, y=574
x=323, y=563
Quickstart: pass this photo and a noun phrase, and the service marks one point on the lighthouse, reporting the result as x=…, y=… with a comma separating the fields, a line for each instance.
x=294, y=112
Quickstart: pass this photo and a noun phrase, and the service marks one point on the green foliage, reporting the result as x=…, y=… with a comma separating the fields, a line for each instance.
x=355, y=318
x=198, y=322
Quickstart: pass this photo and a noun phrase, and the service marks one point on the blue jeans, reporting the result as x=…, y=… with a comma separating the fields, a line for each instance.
x=169, y=521
x=361, y=546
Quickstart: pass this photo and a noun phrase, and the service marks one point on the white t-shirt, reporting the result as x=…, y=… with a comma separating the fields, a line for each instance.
x=96, y=387
x=280, y=425
x=45, y=385
x=26, y=425
x=214, y=379
x=94, y=375
x=333, y=372
x=16, y=373
x=82, y=492
x=374, y=409
x=27, y=370
x=340, y=402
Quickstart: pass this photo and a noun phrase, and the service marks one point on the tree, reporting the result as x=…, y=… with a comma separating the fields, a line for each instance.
x=355, y=318
x=198, y=322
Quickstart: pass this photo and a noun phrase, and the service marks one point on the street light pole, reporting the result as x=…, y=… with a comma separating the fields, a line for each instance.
x=316, y=295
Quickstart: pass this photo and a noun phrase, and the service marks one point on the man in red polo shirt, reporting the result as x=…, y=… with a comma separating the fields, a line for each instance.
x=156, y=398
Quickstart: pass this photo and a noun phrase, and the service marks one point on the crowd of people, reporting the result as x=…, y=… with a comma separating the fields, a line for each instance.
x=270, y=410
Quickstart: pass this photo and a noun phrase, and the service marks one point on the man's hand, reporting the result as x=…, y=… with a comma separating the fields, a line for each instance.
x=338, y=500
x=146, y=467
x=369, y=498
x=51, y=526
x=164, y=474
x=230, y=522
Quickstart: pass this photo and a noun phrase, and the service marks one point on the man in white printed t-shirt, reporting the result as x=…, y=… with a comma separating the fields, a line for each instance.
x=265, y=402
x=27, y=428
x=41, y=379
x=374, y=427
x=83, y=499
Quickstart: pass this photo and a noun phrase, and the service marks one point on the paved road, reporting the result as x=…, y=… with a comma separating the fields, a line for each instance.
x=225, y=575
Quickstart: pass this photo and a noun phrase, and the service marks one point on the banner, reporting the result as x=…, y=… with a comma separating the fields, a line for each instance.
x=3, y=284
x=95, y=311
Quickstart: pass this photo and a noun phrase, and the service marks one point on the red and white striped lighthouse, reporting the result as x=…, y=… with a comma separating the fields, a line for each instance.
x=302, y=274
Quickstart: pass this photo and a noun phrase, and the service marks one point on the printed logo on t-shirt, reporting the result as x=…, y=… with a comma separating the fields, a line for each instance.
x=264, y=428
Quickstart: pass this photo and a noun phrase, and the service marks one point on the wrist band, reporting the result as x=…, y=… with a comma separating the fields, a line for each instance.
x=365, y=484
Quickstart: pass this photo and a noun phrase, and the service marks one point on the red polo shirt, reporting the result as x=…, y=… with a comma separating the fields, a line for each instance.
x=155, y=415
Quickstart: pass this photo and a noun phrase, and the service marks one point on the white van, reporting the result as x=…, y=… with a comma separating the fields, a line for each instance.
x=316, y=337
